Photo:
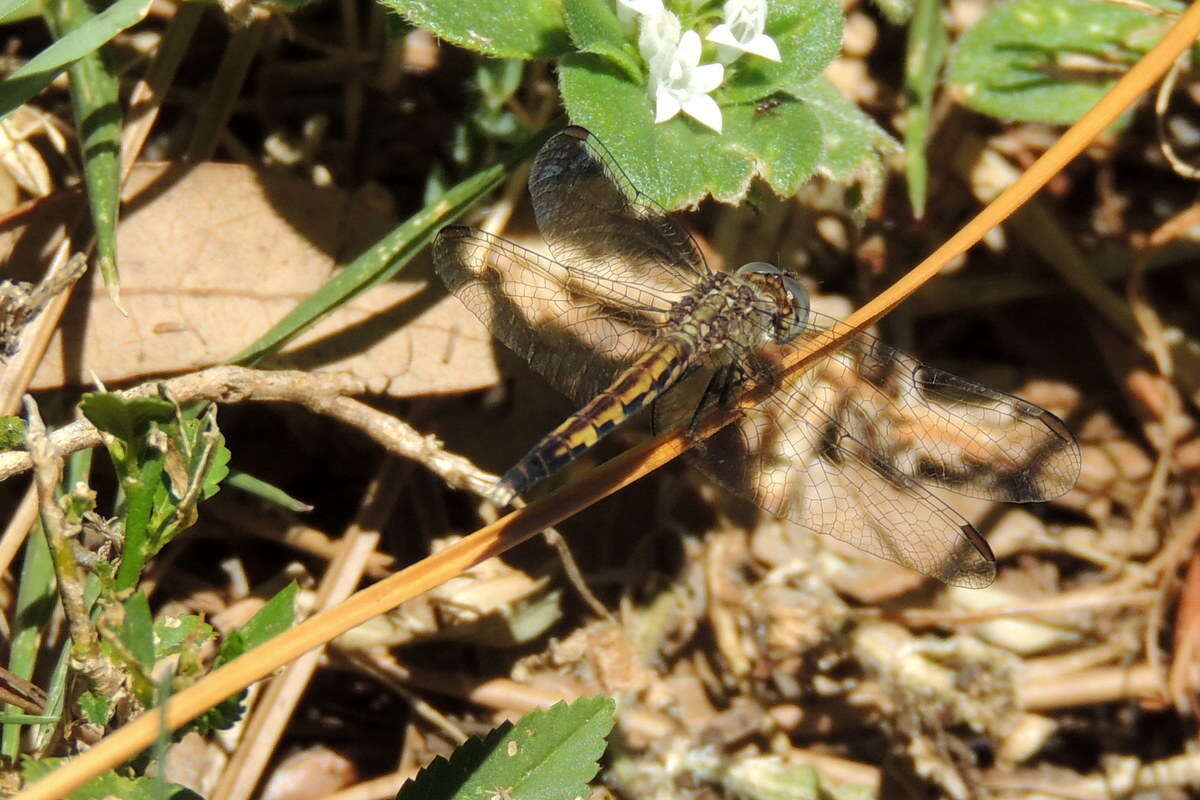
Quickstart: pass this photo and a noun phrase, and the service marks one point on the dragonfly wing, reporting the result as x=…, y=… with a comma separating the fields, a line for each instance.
x=792, y=462
x=936, y=427
x=594, y=218
x=577, y=328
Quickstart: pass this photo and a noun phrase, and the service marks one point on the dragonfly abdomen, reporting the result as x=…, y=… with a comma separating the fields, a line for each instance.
x=655, y=372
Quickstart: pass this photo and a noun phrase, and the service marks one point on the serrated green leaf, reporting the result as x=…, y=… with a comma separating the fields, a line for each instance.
x=125, y=418
x=525, y=29
x=676, y=163
x=1049, y=60
x=108, y=785
x=12, y=433
x=594, y=28
x=809, y=35
x=96, y=707
x=785, y=139
x=848, y=136
x=548, y=754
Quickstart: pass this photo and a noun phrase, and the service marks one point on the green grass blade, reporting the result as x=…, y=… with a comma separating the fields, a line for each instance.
x=927, y=40
x=98, y=119
x=391, y=253
x=35, y=603
x=37, y=73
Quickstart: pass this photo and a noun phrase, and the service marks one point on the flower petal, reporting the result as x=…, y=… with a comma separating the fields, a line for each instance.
x=689, y=49
x=666, y=106
x=722, y=34
x=705, y=78
x=763, y=45
x=704, y=110
x=646, y=8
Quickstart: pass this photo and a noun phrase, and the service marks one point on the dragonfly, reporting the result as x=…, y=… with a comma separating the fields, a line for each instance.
x=626, y=314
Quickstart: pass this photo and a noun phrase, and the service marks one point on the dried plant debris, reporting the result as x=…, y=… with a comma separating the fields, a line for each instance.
x=21, y=302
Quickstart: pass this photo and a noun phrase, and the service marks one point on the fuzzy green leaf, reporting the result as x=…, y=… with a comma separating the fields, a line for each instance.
x=850, y=139
x=549, y=755
x=12, y=433
x=1049, y=60
x=785, y=138
x=504, y=28
x=595, y=29
x=676, y=163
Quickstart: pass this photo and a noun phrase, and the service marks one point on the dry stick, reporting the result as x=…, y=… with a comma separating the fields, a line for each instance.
x=275, y=706
x=60, y=533
x=494, y=539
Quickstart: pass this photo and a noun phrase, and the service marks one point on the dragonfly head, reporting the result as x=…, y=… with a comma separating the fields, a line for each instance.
x=791, y=299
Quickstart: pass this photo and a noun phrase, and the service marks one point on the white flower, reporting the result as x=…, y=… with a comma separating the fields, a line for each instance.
x=629, y=10
x=658, y=40
x=742, y=32
x=679, y=83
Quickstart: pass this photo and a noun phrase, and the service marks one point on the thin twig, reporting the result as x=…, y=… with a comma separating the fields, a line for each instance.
x=60, y=533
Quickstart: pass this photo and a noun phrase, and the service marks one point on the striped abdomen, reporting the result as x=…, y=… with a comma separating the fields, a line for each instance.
x=654, y=373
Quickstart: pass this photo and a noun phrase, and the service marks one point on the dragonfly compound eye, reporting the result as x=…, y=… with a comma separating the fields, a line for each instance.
x=791, y=297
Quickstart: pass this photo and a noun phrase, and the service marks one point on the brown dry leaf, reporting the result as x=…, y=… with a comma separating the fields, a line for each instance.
x=212, y=255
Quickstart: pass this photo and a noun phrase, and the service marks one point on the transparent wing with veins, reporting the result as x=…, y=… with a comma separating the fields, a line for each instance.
x=842, y=447
x=578, y=328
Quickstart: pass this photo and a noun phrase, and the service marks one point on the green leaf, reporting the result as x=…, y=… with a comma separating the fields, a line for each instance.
x=676, y=163
x=108, y=785
x=498, y=79
x=276, y=616
x=12, y=433
x=137, y=631
x=35, y=603
x=37, y=73
x=525, y=29
x=96, y=707
x=172, y=633
x=809, y=35
x=266, y=491
x=94, y=99
x=595, y=29
x=850, y=139
x=785, y=139
x=926, y=51
x=549, y=755
x=390, y=254
x=1049, y=60
x=127, y=418
x=142, y=490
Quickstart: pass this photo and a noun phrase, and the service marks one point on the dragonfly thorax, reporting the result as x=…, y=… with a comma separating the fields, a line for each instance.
x=789, y=299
